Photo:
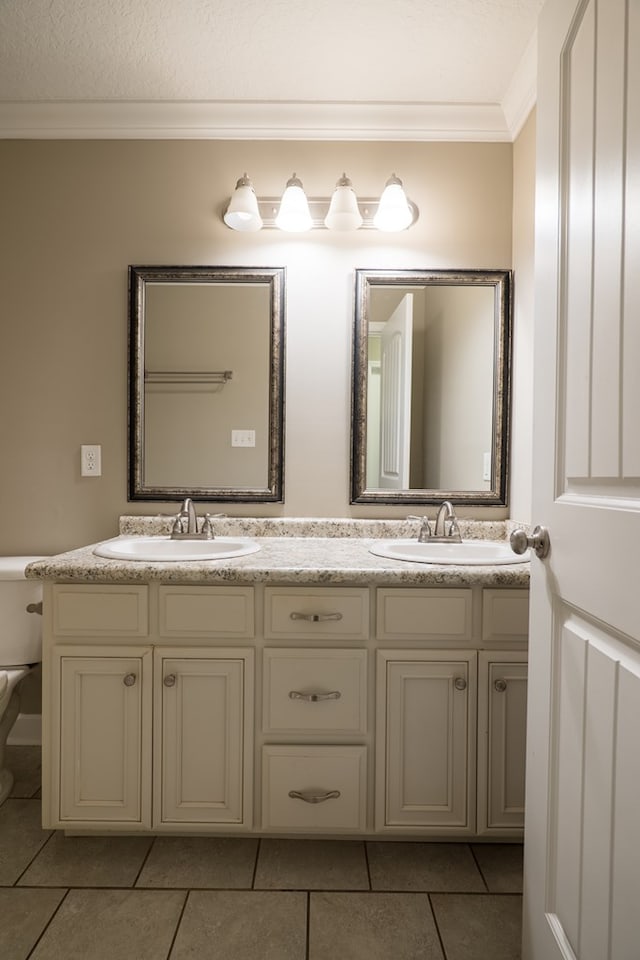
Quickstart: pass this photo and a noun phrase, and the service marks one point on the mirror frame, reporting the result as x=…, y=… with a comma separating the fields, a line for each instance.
x=139, y=276
x=501, y=281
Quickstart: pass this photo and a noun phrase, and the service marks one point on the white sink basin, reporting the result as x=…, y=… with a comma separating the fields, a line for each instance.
x=164, y=549
x=468, y=552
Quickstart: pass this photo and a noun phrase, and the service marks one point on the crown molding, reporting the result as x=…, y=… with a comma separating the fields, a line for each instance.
x=520, y=98
x=251, y=120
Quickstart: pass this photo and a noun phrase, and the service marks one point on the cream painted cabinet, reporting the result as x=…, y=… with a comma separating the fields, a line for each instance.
x=119, y=710
x=191, y=708
x=203, y=736
x=103, y=712
x=426, y=741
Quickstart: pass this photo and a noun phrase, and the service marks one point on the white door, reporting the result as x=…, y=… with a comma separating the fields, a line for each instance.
x=396, y=343
x=582, y=825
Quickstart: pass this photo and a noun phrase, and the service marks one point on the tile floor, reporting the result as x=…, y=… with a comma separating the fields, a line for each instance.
x=202, y=898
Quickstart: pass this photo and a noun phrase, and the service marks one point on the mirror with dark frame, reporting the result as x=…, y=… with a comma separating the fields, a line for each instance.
x=206, y=383
x=431, y=386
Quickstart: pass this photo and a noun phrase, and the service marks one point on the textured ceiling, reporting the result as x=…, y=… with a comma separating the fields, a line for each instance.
x=385, y=51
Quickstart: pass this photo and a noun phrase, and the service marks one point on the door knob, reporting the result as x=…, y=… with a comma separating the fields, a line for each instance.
x=538, y=541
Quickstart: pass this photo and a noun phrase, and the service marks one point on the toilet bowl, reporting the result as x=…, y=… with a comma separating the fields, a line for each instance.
x=20, y=646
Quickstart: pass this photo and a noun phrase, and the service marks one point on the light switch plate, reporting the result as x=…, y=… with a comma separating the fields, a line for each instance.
x=243, y=438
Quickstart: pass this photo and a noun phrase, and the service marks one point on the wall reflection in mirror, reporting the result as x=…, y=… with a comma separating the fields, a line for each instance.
x=431, y=386
x=206, y=383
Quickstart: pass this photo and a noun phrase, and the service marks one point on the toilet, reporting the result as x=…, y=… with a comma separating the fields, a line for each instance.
x=20, y=646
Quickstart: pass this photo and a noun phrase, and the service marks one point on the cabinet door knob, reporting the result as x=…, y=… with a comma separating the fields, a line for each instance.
x=129, y=680
x=315, y=617
x=309, y=797
x=460, y=683
x=314, y=697
x=500, y=685
x=170, y=680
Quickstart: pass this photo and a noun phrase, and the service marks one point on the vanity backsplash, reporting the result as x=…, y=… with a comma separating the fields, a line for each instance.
x=160, y=524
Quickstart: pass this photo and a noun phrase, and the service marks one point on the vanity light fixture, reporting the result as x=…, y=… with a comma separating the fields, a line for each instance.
x=393, y=213
x=294, y=215
x=343, y=211
x=242, y=212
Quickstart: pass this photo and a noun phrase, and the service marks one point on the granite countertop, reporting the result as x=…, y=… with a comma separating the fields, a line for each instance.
x=331, y=552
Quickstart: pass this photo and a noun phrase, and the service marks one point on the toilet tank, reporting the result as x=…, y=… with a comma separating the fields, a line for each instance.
x=20, y=632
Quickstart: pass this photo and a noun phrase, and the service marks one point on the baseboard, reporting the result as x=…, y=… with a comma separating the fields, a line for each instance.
x=26, y=731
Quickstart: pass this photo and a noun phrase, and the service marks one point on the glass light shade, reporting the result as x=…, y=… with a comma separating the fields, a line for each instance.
x=343, y=210
x=243, y=213
x=293, y=215
x=393, y=213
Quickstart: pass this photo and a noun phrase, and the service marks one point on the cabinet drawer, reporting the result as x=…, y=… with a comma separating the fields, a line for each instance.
x=423, y=614
x=206, y=612
x=317, y=612
x=505, y=614
x=313, y=789
x=100, y=610
x=315, y=691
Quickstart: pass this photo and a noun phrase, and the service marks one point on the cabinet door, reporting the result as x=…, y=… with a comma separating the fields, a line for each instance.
x=203, y=736
x=104, y=712
x=502, y=711
x=426, y=741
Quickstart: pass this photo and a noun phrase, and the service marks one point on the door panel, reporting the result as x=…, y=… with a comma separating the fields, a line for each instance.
x=585, y=601
x=201, y=731
x=104, y=711
x=395, y=396
x=425, y=759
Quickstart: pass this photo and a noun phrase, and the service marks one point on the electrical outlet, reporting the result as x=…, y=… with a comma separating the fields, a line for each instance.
x=486, y=466
x=90, y=460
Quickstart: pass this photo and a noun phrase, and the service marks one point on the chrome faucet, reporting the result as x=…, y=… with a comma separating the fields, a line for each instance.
x=446, y=528
x=185, y=525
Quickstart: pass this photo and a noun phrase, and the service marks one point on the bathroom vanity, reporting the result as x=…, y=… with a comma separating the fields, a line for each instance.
x=308, y=689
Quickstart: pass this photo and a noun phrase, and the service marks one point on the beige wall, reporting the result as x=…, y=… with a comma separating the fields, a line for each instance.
x=76, y=213
x=524, y=181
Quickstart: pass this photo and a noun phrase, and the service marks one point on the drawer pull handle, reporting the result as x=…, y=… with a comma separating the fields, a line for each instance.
x=170, y=680
x=460, y=683
x=313, y=797
x=316, y=617
x=500, y=686
x=34, y=608
x=129, y=680
x=314, y=697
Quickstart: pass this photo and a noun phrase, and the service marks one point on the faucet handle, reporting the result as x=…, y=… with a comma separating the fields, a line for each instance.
x=207, y=528
x=454, y=529
x=425, y=529
x=177, y=524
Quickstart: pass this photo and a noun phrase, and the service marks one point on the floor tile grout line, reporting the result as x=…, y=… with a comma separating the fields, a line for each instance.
x=367, y=864
x=437, y=926
x=255, y=864
x=34, y=858
x=144, y=861
x=477, y=863
x=187, y=894
x=47, y=924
